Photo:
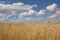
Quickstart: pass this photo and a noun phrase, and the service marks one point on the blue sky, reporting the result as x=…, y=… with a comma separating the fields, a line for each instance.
x=41, y=12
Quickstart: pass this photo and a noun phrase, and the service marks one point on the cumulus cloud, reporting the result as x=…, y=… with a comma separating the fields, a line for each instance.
x=3, y=17
x=21, y=7
x=20, y=12
x=55, y=17
x=32, y=12
x=41, y=12
x=52, y=7
x=11, y=10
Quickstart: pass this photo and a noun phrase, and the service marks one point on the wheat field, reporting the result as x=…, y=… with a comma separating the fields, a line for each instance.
x=30, y=31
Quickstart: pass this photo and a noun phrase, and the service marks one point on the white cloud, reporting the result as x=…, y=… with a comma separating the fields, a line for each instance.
x=20, y=12
x=41, y=12
x=52, y=7
x=32, y=12
x=8, y=8
x=3, y=17
x=55, y=13
x=55, y=17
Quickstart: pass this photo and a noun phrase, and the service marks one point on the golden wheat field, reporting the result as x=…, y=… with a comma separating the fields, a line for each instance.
x=30, y=31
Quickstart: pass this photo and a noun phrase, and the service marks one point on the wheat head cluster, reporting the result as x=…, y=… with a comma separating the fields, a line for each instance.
x=30, y=31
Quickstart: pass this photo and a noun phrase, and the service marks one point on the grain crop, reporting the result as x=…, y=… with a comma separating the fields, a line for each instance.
x=22, y=31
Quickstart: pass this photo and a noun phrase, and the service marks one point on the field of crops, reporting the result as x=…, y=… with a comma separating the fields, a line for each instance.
x=30, y=31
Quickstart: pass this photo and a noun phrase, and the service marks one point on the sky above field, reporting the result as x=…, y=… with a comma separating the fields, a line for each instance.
x=29, y=11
